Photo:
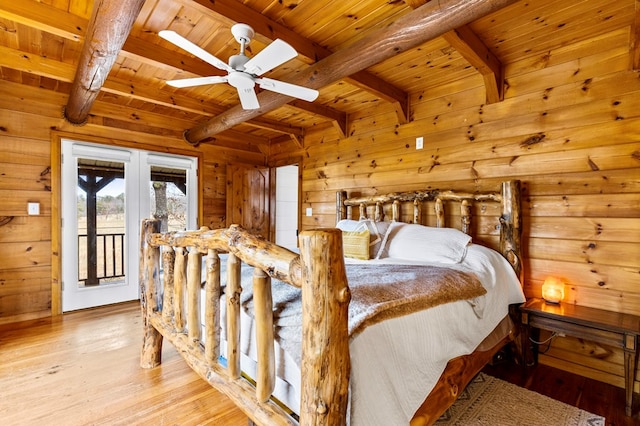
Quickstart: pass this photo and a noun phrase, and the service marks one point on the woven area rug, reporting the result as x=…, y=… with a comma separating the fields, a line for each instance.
x=494, y=402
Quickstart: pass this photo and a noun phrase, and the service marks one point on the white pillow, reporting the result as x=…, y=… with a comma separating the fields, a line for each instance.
x=348, y=225
x=411, y=241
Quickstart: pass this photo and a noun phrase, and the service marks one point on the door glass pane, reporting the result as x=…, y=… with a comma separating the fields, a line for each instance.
x=101, y=222
x=168, y=188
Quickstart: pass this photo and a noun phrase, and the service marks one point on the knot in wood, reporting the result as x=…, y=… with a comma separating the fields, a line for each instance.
x=454, y=390
x=345, y=295
x=322, y=408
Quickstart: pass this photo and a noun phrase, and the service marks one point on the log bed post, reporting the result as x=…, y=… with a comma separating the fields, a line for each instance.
x=325, y=337
x=511, y=226
x=151, y=354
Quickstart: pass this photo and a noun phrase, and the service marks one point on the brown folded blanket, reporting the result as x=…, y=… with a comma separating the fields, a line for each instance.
x=378, y=292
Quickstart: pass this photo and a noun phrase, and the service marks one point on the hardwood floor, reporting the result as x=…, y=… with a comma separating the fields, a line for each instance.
x=84, y=369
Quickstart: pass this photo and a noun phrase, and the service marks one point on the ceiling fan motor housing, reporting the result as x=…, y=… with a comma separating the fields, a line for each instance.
x=240, y=80
x=237, y=62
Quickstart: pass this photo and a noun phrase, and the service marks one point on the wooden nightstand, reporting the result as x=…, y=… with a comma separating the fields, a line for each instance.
x=596, y=325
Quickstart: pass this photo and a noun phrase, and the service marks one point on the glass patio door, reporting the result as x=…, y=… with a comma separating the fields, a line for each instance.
x=106, y=192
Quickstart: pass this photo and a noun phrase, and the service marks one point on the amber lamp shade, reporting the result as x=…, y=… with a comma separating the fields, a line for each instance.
x=553, y=290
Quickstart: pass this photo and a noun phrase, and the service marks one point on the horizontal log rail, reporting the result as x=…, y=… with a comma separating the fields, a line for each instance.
x=279, y=262
x=428, y=195
x=171, y=301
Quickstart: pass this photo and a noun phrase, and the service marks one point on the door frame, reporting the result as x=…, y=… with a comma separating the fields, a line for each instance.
x=56, y=195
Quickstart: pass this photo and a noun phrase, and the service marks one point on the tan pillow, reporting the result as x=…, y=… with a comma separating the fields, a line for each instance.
x=355, y=244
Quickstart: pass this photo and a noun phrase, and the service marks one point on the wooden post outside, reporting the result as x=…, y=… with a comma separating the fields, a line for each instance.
x=325, y=365
x=151, y=354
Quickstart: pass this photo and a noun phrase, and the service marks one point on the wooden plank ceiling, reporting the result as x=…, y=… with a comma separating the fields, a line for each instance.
x=41, y=45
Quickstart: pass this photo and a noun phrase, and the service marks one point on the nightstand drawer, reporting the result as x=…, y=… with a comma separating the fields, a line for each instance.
x=582, y=332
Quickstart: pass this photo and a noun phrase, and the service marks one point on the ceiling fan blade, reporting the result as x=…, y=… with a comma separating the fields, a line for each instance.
x=195, y=50
x=270, y=57
x=248, y=98
x=197, y=81
x=288, y=89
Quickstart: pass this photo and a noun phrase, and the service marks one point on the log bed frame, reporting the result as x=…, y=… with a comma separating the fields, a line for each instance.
x=170, y=302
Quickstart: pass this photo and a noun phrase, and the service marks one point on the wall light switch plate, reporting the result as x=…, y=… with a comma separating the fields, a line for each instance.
x=33, y=208
x=419, y=142
x=309, y=211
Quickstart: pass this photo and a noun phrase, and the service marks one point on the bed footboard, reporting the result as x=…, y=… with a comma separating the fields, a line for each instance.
x=170, y=301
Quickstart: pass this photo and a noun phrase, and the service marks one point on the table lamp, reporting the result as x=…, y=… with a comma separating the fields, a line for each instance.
x=552, y=290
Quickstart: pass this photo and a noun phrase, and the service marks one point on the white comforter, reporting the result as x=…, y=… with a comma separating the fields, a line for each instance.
x=396, y=363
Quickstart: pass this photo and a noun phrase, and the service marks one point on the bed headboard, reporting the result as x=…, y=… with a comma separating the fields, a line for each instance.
x=508, y=219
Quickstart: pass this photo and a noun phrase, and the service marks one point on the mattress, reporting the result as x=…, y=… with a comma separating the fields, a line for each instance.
x=396, y=363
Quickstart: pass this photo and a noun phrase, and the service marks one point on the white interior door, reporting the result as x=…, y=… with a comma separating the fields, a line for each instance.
x=106, y=192
x=287, y=206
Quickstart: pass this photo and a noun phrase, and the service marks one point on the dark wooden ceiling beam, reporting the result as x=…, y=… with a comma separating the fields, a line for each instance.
x=239, y=12
x=422, y=24
x=338, y=118
x=469, y=45
x=109, y=27
x=297, y=132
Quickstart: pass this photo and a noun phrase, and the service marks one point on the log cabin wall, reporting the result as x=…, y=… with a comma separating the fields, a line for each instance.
x=569, y=128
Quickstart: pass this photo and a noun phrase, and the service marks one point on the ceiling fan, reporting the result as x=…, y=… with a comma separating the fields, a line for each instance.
x=244, y=72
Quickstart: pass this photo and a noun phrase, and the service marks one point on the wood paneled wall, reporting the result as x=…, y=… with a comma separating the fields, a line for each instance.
x=569, y=128
x=30, y=122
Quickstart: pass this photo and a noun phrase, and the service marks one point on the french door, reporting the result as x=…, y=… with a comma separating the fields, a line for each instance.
x=106, y=192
